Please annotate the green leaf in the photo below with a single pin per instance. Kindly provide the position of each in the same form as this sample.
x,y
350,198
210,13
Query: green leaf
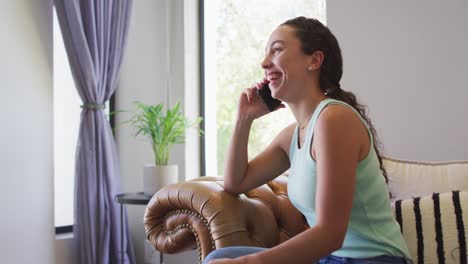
x,y
162,130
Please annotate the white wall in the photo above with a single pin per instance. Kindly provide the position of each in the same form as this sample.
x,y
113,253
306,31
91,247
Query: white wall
x,y
407,60
26,222
154,58
192,87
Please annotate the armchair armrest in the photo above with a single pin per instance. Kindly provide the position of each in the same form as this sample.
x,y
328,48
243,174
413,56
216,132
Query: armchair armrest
x,y
200,214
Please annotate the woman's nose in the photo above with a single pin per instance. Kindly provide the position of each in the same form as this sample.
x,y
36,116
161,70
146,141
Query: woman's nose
x,y
266,62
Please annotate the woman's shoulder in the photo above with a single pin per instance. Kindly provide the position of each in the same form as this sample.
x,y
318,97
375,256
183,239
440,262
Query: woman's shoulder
x,y
341,123
337,108
338,113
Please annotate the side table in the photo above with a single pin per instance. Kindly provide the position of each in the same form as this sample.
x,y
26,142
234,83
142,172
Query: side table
x,y
131,198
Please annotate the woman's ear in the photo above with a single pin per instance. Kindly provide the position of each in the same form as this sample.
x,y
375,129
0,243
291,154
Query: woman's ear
x,y
316,60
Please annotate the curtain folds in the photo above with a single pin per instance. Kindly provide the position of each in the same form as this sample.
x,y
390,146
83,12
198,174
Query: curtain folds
x,y
95,33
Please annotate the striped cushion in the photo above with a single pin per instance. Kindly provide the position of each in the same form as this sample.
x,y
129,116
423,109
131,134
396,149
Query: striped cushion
x,y
434,226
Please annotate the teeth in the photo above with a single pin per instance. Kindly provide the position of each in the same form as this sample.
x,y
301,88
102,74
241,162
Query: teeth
x,y
273,76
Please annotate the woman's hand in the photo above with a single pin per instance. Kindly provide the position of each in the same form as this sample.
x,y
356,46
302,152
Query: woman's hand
x,y
251,105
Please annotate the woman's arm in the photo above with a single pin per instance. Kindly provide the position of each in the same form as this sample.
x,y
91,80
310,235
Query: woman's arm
x,y
240,175
338,136
263,168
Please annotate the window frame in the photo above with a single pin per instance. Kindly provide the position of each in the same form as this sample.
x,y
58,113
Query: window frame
x,y
201,29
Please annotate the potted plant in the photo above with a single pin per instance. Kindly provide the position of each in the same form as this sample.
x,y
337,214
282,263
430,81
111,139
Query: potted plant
x,y
162,131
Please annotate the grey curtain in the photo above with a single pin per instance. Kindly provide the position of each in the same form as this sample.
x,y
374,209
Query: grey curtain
x,y
95,33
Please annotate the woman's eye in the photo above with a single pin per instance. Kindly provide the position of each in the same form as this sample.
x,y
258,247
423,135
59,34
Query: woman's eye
x,y
276,49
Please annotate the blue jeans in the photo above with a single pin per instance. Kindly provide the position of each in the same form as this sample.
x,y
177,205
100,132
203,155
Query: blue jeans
x,y
234,252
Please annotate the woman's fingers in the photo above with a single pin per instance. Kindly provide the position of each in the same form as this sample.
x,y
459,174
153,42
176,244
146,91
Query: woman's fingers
x,y
280,106
250,92
259,85
246,92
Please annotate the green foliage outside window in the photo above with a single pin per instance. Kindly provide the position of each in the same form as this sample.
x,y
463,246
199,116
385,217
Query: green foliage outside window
x,y
243,30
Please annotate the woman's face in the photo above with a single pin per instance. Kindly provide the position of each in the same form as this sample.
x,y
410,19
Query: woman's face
x,y
285,65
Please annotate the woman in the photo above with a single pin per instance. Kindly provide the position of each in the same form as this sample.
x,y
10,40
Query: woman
x,y
336,180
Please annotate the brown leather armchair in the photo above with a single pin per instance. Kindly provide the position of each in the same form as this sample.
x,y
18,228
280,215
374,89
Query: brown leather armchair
x,y
199,214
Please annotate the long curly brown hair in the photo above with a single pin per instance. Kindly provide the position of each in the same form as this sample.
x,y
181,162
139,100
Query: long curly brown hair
x,y
316,36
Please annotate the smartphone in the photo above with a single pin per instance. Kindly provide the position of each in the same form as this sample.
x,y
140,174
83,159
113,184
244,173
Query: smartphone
x,y
265,94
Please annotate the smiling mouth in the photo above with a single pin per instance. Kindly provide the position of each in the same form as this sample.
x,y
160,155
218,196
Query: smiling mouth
x,y
274,76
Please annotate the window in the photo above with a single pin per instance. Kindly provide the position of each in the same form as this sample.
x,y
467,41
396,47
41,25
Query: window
x,y
66,125
67,112
235,35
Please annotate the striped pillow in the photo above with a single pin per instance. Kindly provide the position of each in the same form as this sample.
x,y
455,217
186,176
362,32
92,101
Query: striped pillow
x,y
434,226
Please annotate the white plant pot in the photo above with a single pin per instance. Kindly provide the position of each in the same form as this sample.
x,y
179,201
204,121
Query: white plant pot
x,y
156,177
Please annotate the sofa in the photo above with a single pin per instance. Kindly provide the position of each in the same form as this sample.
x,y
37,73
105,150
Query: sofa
x,y
429,199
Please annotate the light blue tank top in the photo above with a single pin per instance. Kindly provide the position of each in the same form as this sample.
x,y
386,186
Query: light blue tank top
x,y
372,228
